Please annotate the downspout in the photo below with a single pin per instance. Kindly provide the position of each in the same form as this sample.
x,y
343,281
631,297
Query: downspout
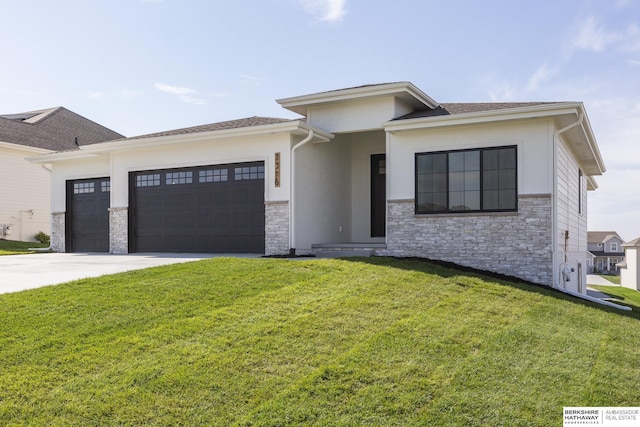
x,y
292,222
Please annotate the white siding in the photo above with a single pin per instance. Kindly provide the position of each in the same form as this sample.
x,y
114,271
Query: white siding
x,y
570,218
25,193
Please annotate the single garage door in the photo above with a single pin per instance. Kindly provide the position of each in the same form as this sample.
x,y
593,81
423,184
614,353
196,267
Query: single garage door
x,y
210,209
87,217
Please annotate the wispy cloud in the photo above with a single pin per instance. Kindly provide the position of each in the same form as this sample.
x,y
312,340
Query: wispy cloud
x,y
592,36
185,94
542,75
325,10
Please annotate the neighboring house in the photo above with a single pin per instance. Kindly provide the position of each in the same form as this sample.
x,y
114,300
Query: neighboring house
x,y
630,268
605,251
379,169
25,188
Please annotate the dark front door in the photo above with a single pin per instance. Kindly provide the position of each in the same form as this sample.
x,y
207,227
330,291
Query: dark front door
x,y
87,218
200,209
378,194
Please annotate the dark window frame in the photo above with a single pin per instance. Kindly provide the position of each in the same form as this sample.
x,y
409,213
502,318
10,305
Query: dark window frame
x,y
482,188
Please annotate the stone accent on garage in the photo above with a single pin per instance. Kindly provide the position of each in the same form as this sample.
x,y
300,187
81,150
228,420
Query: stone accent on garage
x,y
57,231
276,233
517,244
118,230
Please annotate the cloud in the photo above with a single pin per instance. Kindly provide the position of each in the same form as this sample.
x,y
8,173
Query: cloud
x,y
325,10
592,36
542,74
185,94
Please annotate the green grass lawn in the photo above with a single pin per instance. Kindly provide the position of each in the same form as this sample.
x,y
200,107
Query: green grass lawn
x,y
626,296
611,278
273,342
10,247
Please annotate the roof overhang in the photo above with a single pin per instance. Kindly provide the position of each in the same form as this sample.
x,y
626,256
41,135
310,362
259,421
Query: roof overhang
x,y
294,127
580,136
404,91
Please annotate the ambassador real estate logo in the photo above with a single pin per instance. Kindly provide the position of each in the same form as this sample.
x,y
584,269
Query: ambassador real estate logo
x,y
604,416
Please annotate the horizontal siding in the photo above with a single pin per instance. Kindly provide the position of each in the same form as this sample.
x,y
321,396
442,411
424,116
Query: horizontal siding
x,y
23,187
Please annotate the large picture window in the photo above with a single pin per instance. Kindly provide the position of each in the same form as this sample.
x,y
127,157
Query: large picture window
x,y
482,180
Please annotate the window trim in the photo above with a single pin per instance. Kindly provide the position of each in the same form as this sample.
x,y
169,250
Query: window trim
x,y
457,212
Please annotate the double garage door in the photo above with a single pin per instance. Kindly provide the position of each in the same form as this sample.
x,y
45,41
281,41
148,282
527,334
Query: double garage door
x,y
211,209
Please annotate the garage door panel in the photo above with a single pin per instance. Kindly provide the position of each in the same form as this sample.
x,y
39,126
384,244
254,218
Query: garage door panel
x,y
87,219
214,212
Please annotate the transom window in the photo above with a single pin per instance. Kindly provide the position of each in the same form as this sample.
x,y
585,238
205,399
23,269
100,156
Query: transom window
x,y
185,177
467,181
213,175
83,187
249,172
150,180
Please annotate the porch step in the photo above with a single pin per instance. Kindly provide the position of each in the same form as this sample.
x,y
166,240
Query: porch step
x,y
341,250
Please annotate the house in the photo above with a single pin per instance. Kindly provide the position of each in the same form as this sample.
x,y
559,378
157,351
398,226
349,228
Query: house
x,y
630,268
605,251
378,169
25,189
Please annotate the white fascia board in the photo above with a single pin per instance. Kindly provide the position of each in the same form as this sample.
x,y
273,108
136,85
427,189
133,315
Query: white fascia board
x,y
34,150
60,156
591,183
588,132
299,104
538,111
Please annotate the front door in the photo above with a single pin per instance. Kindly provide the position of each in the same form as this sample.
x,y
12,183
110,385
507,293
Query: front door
x,y
378,194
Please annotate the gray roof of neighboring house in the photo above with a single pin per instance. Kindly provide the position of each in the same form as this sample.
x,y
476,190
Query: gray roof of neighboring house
x,y
634,242
607,254
53,129
447,108
229,124
601,236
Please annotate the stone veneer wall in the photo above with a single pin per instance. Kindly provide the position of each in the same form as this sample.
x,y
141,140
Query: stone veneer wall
x,y
57,231
515,244
276,228
118,230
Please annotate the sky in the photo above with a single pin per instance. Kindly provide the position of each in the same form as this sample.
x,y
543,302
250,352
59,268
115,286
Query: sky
x,y
142,66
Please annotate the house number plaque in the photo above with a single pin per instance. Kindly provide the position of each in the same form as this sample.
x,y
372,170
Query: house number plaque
x,y
277,170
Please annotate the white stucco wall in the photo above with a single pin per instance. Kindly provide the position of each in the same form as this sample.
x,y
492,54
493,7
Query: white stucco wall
x,y
63,171
323,194
25,194
630,275
352,116
532,137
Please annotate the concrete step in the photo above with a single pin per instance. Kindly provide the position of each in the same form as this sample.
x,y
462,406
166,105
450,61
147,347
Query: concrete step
x,y
342,250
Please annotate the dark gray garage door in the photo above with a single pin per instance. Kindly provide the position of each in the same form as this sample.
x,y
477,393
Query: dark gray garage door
x,y
201,209
87,217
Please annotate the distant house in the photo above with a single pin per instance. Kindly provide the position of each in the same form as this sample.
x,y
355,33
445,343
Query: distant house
x,y
378,169
25,188
630,268
605,251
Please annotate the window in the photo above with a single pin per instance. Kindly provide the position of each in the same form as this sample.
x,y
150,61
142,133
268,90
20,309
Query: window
x,y
105,186
614,247
213,175
249,172
467,181
580,191
150,180
179,177
83,187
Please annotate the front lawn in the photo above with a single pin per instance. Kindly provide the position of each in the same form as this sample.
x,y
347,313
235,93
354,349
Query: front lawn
x,y
611,278
626,296
316,342
11,247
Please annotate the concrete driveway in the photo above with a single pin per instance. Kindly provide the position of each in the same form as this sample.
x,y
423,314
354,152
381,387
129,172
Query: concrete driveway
x,y
20,272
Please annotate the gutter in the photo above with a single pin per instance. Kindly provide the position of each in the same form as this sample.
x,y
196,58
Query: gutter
x,y
292,222
597,300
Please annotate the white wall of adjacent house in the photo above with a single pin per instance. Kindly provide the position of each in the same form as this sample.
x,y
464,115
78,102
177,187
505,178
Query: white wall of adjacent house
x,y
571,220
26,199
630,275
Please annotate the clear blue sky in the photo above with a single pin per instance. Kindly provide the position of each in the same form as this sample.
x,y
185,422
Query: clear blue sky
x,y
140,66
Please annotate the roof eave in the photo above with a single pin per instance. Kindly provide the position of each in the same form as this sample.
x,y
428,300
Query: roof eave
x,y
406,91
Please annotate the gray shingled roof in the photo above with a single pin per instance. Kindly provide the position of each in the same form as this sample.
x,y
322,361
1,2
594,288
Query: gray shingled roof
x,y
447,109
601,236
53,129
230,124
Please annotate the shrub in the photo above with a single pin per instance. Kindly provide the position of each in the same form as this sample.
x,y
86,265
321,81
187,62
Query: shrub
x,y
42,237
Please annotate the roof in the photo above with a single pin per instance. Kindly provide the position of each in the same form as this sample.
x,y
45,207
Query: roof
x,y
607,254
601,236
633,243
55,129
446,109
229,124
